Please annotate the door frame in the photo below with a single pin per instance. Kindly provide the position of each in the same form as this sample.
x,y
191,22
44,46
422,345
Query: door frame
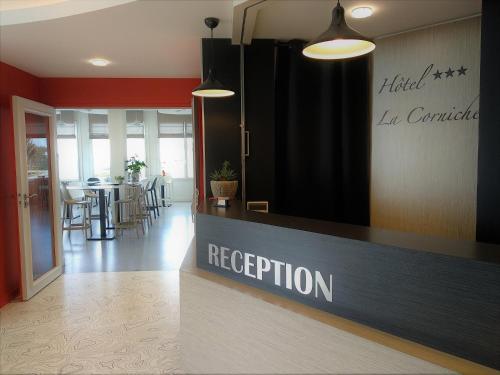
x,y
20,107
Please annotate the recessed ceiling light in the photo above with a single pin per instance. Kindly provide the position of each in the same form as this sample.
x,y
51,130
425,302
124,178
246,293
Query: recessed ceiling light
x,y
361,12
99,62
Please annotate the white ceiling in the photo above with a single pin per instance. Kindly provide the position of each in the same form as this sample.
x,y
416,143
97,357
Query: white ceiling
x,y
161,38
20,4
148,38
21,11
306,19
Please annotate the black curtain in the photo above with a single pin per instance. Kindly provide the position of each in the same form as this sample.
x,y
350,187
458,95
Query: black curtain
x,y
323,114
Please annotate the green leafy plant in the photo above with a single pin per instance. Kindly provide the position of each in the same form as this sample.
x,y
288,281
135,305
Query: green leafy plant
x,y
135,165
224,174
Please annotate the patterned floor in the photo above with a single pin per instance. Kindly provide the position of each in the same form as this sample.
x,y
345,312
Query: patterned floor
x,y
95,323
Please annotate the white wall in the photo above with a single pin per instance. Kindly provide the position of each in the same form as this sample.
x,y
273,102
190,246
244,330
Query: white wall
x,y
152,142
182,189
85,147
118,141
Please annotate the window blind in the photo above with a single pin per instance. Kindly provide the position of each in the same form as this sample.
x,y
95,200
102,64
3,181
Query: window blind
x,y
171,130
66,124
98,126
174,126
135,124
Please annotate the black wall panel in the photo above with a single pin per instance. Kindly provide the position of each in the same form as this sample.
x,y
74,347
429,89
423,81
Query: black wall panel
x,y
322,136
309,140
259,107
222,115
488,189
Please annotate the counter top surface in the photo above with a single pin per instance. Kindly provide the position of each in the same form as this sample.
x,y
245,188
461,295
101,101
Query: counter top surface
x,y
457,248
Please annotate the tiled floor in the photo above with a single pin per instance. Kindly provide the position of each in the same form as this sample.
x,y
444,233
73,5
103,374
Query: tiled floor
x,y
90,321
99,323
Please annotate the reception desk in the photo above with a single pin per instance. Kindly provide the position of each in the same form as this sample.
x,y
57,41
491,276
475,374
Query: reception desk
x,y
437,293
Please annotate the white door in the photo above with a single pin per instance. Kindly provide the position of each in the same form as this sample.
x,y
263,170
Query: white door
x,y
38,195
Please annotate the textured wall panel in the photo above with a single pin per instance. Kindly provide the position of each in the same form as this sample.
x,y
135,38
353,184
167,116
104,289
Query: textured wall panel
x,y
424,173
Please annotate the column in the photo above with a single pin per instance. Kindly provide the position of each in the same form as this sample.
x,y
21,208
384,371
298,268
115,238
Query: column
x,y
118,141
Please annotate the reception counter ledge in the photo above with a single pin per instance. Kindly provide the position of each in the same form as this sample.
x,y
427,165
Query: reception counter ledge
x,y
433,299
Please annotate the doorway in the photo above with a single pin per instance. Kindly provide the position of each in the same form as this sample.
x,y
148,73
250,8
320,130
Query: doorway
x,y
38,195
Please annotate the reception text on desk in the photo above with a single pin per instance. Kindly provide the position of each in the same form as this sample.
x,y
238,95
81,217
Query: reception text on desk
x,y
300,278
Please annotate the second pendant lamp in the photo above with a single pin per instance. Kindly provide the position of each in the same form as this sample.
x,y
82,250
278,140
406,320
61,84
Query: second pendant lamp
x,y
339,41
211,87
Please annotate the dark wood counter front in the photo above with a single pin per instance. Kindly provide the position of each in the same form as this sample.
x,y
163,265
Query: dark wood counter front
x,y
440,293
411,241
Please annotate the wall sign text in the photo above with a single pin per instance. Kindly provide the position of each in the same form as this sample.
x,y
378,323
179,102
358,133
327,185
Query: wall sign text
x,y
285,275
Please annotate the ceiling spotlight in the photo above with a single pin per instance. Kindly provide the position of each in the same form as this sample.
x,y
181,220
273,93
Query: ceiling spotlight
x,y
99,62
361,12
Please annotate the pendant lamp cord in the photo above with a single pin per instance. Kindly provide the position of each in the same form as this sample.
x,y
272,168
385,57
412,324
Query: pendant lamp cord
x,y
212,57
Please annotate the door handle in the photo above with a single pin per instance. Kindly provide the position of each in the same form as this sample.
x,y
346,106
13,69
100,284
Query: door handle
x,y
247,143
26,199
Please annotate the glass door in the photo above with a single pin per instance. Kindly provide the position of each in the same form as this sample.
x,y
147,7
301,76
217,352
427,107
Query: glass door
x,y
38,196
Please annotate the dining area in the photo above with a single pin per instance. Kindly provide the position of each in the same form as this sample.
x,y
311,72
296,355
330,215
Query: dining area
x,y
125,188
102,210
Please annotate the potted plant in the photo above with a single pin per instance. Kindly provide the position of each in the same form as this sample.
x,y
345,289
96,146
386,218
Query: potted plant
x,y
134,167
119,179
223,182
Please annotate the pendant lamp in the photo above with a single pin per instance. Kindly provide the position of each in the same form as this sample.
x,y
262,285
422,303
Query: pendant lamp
x,y
211,87
339,41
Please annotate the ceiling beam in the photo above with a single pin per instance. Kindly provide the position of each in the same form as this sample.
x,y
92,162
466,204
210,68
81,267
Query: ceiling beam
x,y
244,18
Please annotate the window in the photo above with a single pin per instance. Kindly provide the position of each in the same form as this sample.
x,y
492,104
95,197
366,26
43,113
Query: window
x,y
98,126
101,150
101,154
176,145
172,157
67,146
135,135
136,148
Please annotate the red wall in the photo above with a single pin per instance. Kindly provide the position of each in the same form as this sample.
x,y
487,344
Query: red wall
x,y
65,93
117,92
12,82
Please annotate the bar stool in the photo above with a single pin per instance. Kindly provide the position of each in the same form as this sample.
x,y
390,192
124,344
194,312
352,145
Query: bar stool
x,y
94,181
91,196
144,213
153,203
129,212
83,205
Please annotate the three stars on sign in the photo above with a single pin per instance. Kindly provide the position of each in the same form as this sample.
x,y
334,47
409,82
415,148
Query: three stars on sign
x,y
449,73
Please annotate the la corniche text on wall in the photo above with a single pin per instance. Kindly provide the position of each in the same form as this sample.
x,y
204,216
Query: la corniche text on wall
x,y
425,121
283,274
420,113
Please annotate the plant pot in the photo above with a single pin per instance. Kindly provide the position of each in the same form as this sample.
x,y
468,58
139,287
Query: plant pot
x,y
135,176
224,188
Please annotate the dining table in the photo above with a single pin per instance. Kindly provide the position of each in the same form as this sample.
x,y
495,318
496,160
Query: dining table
x,y
101,189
